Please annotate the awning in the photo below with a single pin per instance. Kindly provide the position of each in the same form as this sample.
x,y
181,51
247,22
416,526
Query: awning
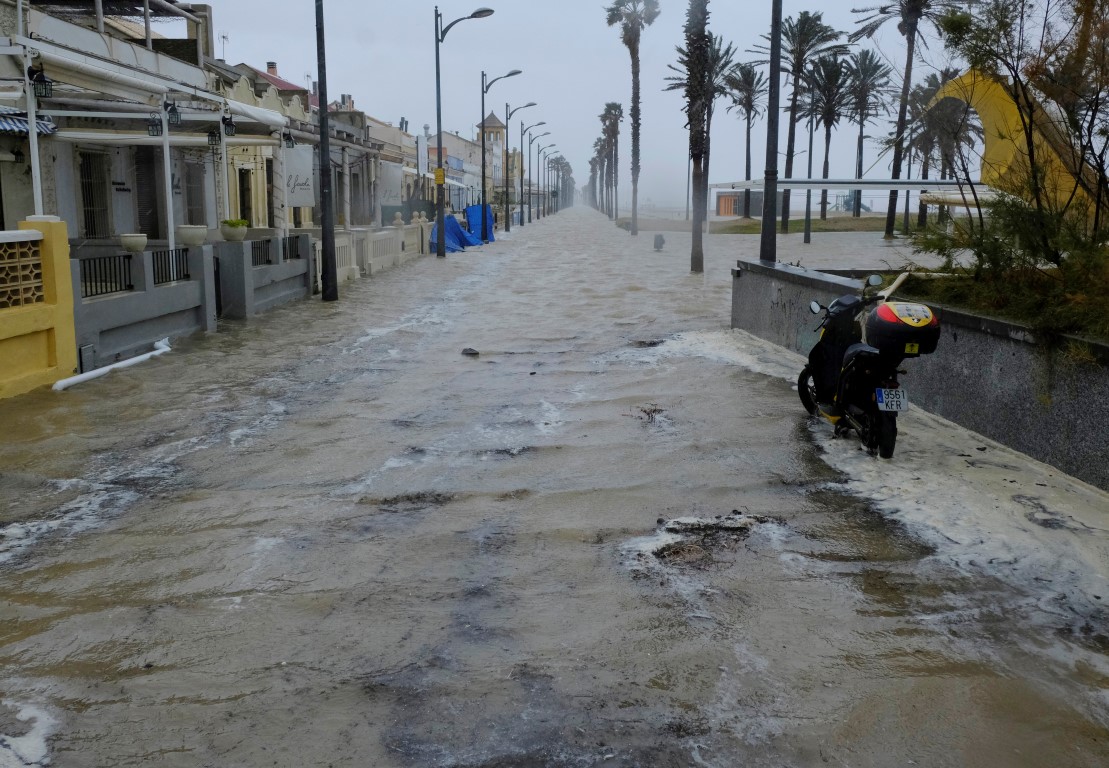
x,y
132,138
257,114
15,121
414,172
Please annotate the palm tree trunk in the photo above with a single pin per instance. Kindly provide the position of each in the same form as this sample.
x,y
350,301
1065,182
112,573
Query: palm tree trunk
x,y
635,140
747,175
697,253
824,192
922,209
902,122
858,205
791,142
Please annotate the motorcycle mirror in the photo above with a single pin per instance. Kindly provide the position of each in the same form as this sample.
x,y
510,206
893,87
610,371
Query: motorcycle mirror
x,y
815,307
874,280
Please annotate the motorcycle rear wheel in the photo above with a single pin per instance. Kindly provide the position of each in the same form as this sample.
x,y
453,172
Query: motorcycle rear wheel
x,y
806,390
885,428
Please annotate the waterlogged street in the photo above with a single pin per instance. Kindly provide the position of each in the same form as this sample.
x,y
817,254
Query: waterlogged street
x,y
326,537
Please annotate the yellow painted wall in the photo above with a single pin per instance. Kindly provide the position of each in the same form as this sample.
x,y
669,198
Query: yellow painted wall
x,y
38,341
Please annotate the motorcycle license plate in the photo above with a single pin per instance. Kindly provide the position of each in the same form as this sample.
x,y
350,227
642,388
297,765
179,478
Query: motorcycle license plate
x,y
892,399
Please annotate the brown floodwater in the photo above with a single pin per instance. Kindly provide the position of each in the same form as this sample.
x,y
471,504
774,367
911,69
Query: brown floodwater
x,y
326,537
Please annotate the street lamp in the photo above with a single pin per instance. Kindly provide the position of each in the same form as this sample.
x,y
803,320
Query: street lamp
x,y
507,117
540,167
485,86
522,131
532,169
440,174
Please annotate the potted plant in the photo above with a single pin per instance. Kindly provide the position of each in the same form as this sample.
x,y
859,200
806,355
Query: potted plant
x,y
234,230
191,234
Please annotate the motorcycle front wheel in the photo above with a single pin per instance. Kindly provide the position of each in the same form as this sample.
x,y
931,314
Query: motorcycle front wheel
x,y
806,390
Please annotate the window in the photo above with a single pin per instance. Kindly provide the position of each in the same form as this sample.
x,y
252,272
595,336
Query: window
x,y
95,209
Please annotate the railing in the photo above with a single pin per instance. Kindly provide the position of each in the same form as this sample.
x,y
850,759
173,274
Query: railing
x,y
170,265
260,253
290,248
102,275
20,269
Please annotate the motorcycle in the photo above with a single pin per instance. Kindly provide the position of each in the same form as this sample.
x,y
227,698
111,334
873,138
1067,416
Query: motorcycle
x,y
852,375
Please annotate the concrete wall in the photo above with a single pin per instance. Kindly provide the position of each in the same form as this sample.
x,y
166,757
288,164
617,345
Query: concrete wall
x,y
246,290
1050,401
36,337
121,325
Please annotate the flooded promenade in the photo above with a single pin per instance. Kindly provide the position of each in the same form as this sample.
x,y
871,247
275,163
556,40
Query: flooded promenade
x,y
612,537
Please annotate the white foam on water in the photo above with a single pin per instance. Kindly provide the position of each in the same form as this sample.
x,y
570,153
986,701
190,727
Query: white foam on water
x,y
81,514
31,748
985,508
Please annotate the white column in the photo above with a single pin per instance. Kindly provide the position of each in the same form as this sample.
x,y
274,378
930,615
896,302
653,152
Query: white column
x,y
167,170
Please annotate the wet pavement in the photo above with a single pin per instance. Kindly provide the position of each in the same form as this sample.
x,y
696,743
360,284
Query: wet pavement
x,y
326,537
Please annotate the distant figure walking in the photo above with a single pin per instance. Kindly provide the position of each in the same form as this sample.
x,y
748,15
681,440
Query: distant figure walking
x,y
659,242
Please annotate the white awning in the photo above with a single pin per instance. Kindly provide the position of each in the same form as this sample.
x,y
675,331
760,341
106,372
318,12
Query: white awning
x,y
257,114
175,139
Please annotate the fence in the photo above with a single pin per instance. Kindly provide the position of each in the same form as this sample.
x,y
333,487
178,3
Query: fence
x,y
102,275
260,253
170,265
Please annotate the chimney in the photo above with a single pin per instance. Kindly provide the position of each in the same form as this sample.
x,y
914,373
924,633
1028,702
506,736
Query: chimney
x,y
271,68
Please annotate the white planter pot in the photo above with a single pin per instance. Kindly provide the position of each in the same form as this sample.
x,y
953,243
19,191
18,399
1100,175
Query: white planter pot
x,y
191,234
133,242
232,234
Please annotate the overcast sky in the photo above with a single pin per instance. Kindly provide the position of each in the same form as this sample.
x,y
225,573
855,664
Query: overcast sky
x,y
383,54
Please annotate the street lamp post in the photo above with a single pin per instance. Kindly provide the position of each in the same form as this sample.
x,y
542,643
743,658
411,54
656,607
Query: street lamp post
x,y
329,278
522,131
440,174
485,86
507,204
540,173
532,170
768,245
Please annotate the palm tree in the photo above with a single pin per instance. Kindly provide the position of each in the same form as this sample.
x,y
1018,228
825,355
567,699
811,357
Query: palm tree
x,y
633,16
827,103
746,87
698,94
610,132
908,14
867,86
803,39
943,130
721,63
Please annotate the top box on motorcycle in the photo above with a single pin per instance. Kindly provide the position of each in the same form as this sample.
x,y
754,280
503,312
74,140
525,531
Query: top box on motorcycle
x,y
903,328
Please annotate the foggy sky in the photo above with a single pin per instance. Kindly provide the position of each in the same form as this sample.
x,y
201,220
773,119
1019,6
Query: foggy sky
x,y
383,54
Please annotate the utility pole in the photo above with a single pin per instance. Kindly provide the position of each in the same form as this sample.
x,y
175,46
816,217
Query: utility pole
x,y
330,279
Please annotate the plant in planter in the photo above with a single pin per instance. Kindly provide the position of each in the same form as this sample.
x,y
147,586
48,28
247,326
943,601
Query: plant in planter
x,y
234,230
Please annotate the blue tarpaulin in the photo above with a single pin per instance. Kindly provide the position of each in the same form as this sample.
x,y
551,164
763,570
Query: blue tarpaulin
x,y
473,220
455,229
451,242
456,237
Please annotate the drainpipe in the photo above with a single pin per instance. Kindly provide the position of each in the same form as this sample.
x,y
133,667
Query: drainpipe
x,y
223,169
167,170
32,134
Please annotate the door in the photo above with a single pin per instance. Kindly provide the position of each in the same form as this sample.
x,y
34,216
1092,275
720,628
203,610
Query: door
x,y
246,208
147,193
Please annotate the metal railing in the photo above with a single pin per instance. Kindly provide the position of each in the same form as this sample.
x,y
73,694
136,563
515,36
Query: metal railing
x,y
102,275
260,254
290,248
170,265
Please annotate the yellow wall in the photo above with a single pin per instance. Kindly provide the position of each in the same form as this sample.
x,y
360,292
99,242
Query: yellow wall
x,y
38,341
